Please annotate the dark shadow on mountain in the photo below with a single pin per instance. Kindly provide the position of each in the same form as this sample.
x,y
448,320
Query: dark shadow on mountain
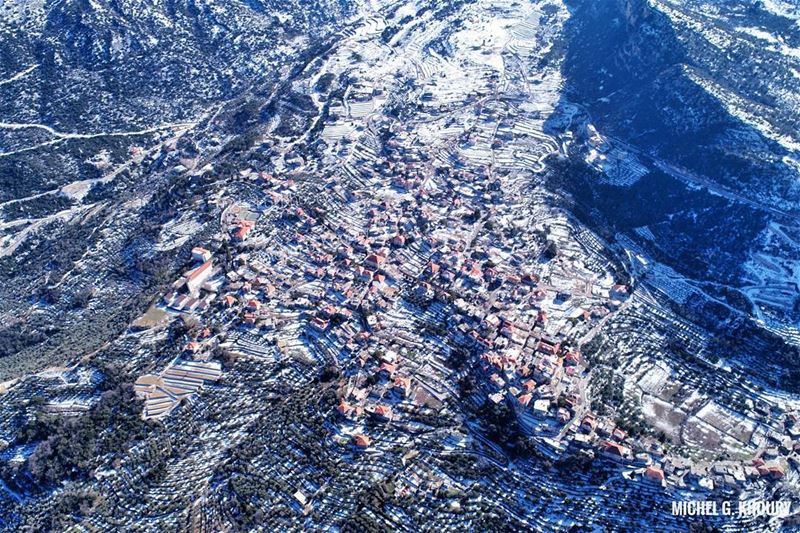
x,y
626,70
623,65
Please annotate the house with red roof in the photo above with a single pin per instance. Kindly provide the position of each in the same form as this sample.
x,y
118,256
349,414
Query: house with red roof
x,y
362,441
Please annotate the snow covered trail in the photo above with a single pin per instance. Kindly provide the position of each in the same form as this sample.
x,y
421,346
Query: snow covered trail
x,y
10,243
60,136
24,126
17,497
19,75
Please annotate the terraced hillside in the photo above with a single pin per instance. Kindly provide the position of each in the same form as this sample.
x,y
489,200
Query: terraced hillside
x,y
480,265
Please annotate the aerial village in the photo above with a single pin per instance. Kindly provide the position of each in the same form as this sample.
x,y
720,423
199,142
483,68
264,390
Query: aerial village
x,y
420,269
428,270
388,287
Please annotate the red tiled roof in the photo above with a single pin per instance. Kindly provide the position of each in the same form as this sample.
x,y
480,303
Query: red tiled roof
x,y
655,473
614,448
383,410
194,274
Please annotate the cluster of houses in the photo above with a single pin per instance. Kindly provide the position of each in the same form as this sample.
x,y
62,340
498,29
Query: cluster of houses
x,y
388,266
450,248
420,276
